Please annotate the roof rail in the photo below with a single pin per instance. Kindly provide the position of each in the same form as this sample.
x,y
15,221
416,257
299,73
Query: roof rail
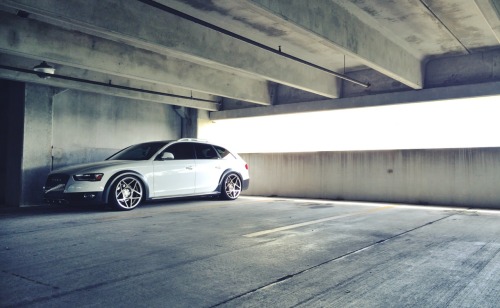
x,y
192,139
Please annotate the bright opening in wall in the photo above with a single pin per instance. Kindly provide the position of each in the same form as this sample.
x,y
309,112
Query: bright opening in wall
x,y
459,123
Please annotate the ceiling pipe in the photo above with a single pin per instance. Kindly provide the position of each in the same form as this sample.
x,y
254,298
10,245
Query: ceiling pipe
x,y
249,41
104,84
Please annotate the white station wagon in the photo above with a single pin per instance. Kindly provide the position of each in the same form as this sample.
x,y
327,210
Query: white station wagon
x,y
151,170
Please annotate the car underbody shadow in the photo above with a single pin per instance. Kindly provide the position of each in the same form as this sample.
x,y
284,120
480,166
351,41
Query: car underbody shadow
x,y
77,208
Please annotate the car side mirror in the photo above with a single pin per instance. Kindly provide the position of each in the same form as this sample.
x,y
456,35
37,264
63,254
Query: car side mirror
x,y
167,156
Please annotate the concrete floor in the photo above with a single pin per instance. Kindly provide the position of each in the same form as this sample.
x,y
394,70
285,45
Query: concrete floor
x,y
253,252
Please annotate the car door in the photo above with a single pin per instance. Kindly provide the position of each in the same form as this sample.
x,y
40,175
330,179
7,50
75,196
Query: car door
x,y
175,177
209,168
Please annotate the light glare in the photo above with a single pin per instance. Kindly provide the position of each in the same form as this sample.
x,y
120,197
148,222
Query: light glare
x,y
460,123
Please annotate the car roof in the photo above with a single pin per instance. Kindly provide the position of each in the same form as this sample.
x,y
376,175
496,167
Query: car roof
x,y
193,140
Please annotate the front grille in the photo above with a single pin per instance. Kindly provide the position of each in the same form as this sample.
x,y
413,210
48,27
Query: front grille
x,y
56,180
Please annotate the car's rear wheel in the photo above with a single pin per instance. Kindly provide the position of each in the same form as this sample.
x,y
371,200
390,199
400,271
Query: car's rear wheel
x,y
126,193
231,187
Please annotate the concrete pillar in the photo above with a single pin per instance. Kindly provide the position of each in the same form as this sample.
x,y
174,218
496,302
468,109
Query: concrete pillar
x,y
190,124
36,158
11,139
189,121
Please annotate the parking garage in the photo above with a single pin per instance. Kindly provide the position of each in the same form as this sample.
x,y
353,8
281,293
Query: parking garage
x,y
345,221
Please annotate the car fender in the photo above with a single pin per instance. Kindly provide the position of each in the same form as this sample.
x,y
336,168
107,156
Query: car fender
x,y
226,172
113,179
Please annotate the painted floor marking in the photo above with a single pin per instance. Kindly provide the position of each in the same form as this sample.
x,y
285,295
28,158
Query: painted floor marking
x,y
317,221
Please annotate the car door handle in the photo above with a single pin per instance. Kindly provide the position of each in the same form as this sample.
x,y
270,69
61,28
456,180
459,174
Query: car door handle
x,y
218,167
189,167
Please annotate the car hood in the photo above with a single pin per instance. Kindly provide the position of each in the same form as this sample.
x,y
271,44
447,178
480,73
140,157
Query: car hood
x,y
93,167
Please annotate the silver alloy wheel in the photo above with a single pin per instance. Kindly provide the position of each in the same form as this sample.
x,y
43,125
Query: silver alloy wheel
x,y
232,186
128,193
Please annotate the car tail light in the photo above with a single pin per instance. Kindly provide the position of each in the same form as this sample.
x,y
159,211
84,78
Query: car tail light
x,y
246,166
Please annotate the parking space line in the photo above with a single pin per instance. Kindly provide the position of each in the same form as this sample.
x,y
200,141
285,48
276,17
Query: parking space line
x,y
317,221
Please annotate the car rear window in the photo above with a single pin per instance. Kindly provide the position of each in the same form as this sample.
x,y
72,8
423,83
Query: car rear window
x,y
224,153
205,151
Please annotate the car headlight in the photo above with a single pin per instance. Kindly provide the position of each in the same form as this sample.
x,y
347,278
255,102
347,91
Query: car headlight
x,y
91,177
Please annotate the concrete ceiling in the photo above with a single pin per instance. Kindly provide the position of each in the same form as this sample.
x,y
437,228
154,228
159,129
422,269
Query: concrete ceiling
x,y
240,58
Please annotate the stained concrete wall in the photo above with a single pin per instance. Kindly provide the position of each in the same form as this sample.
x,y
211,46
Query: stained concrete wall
x,y
456,177
63,127
90,127
36,142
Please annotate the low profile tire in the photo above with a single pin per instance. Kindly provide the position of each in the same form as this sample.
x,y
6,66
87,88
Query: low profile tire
x,y
231,187
126,193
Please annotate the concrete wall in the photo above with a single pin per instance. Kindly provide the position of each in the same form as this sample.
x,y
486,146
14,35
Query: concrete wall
x,y
63,127
457,177
90,127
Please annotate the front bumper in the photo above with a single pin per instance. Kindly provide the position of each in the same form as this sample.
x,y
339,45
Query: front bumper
x,y
62,189
73,198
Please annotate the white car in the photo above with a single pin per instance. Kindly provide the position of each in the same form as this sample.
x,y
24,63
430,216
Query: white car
x,y
151,170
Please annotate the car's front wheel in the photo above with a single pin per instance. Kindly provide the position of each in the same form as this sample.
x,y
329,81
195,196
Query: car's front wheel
x,y
126,193
231,187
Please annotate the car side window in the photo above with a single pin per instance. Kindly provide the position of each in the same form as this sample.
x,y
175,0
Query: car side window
x,y
181,151
205,151
224,153
142,151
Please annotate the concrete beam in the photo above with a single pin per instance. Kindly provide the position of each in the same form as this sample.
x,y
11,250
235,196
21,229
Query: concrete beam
x,y
37,40
479,67
66,84
465,22
355,36
491,12
148,27
414,96
19,62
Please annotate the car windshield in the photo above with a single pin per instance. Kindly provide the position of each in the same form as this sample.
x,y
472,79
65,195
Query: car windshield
x,y
143,151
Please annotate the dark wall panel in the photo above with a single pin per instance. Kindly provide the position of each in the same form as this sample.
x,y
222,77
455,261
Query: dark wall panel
x,y
11,133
